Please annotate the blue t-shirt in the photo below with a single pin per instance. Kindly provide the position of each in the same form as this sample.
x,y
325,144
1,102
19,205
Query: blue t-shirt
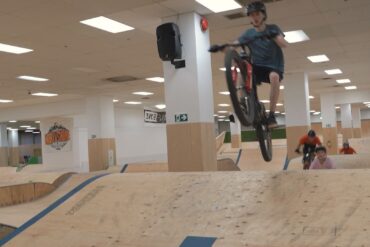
x,y
265,52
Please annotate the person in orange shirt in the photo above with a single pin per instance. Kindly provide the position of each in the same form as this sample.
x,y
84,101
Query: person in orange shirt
x,y
309,143
347,149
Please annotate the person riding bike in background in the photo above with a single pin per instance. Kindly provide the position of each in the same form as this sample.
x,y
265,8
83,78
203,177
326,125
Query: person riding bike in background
x,y
267,56
309,142
347,149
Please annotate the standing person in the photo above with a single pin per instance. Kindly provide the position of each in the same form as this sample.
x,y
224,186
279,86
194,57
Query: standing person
x,y
309,142
267,55
347,149
322,161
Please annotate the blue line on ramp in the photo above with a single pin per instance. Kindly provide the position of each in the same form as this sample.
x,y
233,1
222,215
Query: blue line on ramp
x,y
192,241
286,163
47,210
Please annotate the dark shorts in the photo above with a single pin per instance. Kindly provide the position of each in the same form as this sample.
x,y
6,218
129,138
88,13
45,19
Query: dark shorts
x,y
262,74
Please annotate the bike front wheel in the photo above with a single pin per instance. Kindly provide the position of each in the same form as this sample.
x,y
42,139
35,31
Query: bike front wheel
x,y
264,139
242,98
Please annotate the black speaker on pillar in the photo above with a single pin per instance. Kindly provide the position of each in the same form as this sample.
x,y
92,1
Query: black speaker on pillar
x,y
169,43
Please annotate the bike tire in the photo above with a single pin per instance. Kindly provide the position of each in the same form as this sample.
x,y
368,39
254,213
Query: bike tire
x,y
243,101
264,139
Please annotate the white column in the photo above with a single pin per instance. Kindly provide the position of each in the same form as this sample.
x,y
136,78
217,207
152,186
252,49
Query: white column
x,y
297,109
346,115
356,116
235,131
189,90
3,145
329,122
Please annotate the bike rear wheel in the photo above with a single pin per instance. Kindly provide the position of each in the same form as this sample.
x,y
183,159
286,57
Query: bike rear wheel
x,y
264,139
243,100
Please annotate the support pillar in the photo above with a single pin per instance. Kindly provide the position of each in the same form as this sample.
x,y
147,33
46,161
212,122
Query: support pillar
x,y
356,121
235,131
4,161
13,147
329,123
297,109
189,100
101,132
346,121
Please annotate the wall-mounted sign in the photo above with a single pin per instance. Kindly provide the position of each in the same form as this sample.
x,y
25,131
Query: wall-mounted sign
x,y
57,135
155,117
182,117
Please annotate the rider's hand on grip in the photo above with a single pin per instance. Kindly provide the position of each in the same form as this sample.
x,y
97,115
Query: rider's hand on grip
x,y
216,48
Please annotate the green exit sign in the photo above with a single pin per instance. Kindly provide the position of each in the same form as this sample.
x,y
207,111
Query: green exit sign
x,y
183,117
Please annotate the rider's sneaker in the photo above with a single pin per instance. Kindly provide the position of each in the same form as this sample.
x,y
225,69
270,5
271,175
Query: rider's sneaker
x,y
271,121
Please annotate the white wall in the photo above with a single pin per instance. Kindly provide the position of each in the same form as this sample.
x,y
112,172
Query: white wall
x,y
137,142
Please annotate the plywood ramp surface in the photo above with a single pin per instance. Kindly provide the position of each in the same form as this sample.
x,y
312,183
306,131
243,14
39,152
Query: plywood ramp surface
x,y
314,208
18,214
355,161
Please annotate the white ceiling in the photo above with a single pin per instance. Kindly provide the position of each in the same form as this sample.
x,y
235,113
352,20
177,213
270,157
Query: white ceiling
x,y
78,58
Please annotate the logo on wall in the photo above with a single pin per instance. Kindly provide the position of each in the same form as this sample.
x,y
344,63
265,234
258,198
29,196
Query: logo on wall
x,y
155,117
57,137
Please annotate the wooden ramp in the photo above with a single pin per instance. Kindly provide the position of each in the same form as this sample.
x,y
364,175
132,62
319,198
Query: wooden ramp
x,y
295,208
355,161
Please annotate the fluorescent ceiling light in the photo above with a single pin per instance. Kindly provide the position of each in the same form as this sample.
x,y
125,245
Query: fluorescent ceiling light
x,y
295,36
366,103
107,24
320,118
337,107
223,105
13,49
312,111
227,120
283,113
311,97
25,126
277,112
6,100
225,93
13,129
318,58
317,113
31,128
267,111
350,87
31,78
282,87
12,121
221,120
37,121
160,106
342,81
155,79
219,5
115,100
28,131
333,71
36,132
222,112
143,93
215,115
132,103
279,104
221,116
265,101
45,94
224,69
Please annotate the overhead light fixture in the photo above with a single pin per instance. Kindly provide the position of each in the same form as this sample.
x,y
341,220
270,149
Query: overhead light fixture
x,y
107,24
25,126
132,103
13,129
265,101
160,106
227,120
31,128
366,103
283,113
320,118
6,101
222,112
115,100
12,121
277,112
342,81
318,58
282,87
350,87
224,69
37,121
295,36
28,131
223,105
143,93
312,111
36,132
337,107
44,94
333,71
225,93
279,104
31,78
215,115
155,79
221,120
311,97
221,116
219,5
317,113
13,49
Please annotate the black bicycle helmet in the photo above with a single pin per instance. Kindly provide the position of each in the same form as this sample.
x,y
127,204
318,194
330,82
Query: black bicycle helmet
x,y
256,6
311,133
